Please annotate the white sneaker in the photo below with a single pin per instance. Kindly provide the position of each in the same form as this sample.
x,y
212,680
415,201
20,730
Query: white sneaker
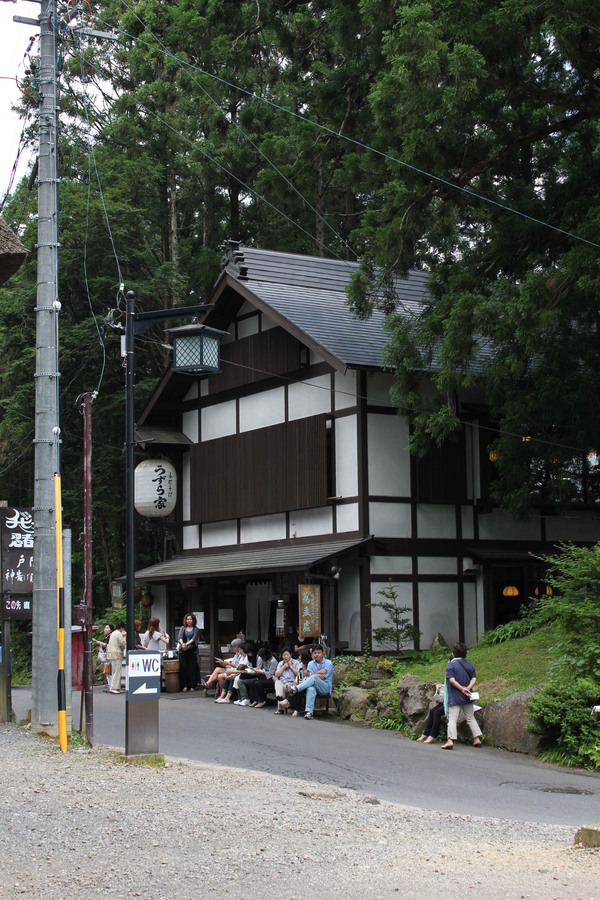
x,y
243,702
237,702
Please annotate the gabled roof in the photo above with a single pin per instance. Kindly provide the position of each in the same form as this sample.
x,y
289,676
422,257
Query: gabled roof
x,y
309,292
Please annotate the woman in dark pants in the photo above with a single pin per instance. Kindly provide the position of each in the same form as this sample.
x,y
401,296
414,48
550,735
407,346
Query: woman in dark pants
x,y
187,644
432,725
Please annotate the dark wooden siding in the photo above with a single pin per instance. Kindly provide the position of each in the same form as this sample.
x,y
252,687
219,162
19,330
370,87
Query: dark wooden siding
x,y
269,470
441,475
272,352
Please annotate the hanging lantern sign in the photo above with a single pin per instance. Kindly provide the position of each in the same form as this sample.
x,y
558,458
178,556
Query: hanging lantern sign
x,y
155,488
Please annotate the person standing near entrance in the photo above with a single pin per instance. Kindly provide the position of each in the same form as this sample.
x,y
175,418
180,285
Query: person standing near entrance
x,y
154,637
187,644
460,679
114,655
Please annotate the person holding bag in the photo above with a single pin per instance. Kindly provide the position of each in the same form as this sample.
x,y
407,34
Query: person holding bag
x,y
187,644
460,680
102,648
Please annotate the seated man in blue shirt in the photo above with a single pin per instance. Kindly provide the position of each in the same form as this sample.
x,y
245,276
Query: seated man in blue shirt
x,y
318,681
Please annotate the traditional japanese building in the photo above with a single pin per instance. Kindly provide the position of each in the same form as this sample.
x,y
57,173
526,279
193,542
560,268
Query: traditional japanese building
x,y
293,471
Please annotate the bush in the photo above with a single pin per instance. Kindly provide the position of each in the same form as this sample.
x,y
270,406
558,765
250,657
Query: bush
x,y
560,712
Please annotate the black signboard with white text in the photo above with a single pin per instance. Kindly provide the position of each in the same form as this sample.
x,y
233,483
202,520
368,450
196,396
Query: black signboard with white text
x,y
17,562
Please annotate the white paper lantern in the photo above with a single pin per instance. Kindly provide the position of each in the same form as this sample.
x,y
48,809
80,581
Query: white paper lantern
x,y
155,488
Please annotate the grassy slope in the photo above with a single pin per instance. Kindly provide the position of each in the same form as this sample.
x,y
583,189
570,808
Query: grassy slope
x,y
502,669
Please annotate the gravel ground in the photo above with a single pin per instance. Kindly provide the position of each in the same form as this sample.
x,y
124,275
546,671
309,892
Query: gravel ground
x,y
84,823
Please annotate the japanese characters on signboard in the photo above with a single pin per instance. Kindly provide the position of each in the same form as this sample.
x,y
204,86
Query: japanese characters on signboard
x,y
309,599
17,562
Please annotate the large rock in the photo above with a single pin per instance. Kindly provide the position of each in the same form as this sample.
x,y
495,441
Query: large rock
x,y
416,698
352,703
504,723
340,670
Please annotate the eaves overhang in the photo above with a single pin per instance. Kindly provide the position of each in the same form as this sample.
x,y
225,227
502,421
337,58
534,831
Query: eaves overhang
x,y
292,556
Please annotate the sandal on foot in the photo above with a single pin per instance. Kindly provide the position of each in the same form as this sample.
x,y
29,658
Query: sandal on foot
x,y
421,740
477,742
447,746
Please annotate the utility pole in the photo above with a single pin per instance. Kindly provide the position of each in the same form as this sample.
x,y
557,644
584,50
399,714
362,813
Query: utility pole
x,y
45,654
44,711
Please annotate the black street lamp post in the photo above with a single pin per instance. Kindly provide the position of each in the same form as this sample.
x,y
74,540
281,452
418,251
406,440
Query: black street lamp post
x,y
137,323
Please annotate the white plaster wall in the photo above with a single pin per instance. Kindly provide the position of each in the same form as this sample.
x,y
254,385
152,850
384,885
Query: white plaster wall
x,y
267,323
572,528
185,487
389,519
378,617
263,528
345,389
218,421
436,565
219,534
378,388
308,522
389,460
189,425
436,521
205,386
263,409
192,394
346,517
498,525
246,327
309,398
386,565
191,537
348,595
246,308
438,611
346,457
466,519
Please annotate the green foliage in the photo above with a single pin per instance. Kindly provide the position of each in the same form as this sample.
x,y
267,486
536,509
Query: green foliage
x,y
560,712
399,629
528,622
574,576
472,98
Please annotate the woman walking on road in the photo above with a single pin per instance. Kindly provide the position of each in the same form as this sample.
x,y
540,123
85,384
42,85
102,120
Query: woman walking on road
x,y
460,679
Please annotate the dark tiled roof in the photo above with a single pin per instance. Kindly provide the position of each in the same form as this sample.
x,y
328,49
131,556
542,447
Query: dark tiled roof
x,y
12,252
291,556
310,292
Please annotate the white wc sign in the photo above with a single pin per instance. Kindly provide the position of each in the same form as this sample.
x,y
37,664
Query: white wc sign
x,y
143,675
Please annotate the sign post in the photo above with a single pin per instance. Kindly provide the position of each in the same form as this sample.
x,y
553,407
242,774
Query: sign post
x,y
16,563
142,684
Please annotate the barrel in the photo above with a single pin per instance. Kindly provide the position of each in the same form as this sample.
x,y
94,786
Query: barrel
x,y
171,673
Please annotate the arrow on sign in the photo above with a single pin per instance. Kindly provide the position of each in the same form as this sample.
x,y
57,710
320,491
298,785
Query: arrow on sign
x,y
143,689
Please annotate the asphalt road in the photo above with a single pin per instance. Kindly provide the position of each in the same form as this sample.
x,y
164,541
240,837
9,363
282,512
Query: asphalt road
x,y
386,765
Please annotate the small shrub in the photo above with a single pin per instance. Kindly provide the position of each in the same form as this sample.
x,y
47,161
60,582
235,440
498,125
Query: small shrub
x,y
560,712
399,629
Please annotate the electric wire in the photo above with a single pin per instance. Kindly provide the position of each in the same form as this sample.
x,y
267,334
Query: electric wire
x,y
248,139
346,138
87,224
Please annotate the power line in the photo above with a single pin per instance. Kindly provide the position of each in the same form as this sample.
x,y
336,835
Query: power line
x,y
353,141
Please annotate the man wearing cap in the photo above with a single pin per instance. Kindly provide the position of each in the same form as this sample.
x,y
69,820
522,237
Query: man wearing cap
x,y
218,674
318,681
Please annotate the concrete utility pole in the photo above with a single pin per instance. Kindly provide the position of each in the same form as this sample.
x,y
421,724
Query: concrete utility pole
x,y
44,712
